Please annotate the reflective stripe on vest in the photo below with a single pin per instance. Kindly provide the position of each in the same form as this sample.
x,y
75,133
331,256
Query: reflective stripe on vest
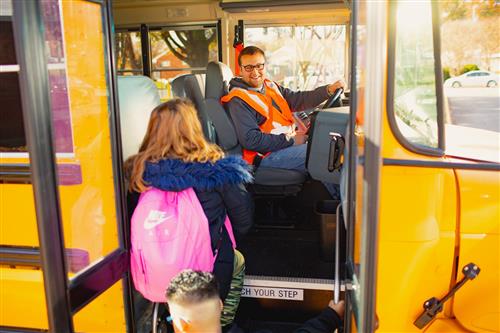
x,y
277,121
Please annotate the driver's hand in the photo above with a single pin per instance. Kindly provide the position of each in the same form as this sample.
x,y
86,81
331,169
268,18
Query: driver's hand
x,y
300,138
334,86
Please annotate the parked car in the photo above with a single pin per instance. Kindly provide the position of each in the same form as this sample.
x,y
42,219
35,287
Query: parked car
x,y
473,79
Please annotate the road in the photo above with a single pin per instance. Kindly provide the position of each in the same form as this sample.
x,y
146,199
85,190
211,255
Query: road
x,y
474,107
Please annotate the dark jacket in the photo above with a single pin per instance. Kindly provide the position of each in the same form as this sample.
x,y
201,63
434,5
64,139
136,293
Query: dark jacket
x,y
327,321
246,120
220,190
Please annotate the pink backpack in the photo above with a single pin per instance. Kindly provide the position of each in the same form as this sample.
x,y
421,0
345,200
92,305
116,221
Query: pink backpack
x,y
169,233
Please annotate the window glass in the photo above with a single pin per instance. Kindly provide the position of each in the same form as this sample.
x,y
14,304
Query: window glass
x,y
56,65
415,105
128,52
301,57
469,42
180,51
12,138
86,182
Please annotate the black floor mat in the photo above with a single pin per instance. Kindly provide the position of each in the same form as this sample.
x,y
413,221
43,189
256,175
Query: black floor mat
x,y
290,253
270,327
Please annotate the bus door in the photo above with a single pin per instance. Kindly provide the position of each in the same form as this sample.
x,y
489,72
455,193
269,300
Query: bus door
x,y
362,162
65,168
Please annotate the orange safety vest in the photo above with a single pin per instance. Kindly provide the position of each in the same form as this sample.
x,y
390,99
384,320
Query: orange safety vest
x,y
277,122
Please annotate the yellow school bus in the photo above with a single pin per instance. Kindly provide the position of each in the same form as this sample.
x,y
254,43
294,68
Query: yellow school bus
x,y
412,244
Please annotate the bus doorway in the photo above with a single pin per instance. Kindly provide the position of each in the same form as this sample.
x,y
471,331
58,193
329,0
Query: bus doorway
x,y
64,257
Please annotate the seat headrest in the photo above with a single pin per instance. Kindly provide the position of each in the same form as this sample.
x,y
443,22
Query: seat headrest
x,y
137,96
178,84
217,82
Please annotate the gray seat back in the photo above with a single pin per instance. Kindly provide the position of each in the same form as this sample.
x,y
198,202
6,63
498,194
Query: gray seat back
x,y
217,85
178,85
192,86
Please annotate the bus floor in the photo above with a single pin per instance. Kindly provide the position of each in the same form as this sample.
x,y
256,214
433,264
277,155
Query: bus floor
x,y
291,253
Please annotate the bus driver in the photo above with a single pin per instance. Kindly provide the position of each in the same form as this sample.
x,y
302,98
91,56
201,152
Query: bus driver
x,y
261,111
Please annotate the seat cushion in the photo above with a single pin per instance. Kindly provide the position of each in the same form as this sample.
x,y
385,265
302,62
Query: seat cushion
x,y
278,177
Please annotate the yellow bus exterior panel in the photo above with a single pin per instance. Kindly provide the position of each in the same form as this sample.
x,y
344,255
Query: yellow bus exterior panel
x,y
479,201
105,314
22,303
477,304
417,238
17,215
444,325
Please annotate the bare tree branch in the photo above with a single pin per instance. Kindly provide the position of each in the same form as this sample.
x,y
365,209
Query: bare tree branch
x,y
167,35
174,50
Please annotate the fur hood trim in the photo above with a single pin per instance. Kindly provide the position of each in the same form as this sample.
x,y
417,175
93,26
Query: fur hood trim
x,y
175,175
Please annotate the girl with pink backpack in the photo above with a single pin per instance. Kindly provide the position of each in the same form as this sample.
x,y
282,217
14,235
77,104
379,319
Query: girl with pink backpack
x,y
177,171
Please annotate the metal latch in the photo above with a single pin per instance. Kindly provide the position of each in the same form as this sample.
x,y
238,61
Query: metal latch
x,y
337,144
433,305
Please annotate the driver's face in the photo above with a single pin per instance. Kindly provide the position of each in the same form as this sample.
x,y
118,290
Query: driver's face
x,y
255,77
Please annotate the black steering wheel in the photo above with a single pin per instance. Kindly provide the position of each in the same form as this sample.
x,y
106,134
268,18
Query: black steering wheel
x,y
334,100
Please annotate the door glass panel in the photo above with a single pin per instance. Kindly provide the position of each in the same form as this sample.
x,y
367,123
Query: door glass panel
x,y
415,102
77,52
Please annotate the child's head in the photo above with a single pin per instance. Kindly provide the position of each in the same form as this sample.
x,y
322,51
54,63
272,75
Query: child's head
x,y
194,303
174,131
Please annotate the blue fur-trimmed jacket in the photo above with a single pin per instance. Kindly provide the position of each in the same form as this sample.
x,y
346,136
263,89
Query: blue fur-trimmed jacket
x,y
220,189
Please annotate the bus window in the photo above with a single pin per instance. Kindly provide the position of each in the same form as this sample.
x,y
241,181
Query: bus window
x,y
301,57
128,52
12,138
180,50
176,51
415,103
471,74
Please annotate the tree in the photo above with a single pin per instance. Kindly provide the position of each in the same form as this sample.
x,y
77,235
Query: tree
x,y
128,56
454,10
190,46
488,37
468,68
489,8
454,44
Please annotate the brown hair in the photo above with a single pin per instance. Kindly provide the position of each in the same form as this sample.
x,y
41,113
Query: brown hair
x,y
250,50
174,131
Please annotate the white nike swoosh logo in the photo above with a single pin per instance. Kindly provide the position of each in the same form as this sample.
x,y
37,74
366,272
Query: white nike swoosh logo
x,y
150,224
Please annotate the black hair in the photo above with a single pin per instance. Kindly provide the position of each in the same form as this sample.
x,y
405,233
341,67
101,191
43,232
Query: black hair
x,y
192,287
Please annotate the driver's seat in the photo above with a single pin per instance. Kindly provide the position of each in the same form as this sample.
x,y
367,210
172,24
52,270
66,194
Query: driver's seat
x,y
267,181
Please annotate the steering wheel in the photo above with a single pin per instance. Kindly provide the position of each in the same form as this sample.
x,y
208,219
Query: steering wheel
x,y
334,100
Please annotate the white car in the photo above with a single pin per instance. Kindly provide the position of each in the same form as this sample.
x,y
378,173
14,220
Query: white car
x,y
473,79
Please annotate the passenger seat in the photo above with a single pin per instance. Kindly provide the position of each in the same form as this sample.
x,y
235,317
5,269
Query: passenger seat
x,y
137,97
192,86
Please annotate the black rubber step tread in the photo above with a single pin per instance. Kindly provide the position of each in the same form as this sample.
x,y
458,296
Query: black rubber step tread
x,y
290,253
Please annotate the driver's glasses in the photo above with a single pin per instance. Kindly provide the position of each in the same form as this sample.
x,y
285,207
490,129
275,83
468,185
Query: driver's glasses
x,y
250,68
